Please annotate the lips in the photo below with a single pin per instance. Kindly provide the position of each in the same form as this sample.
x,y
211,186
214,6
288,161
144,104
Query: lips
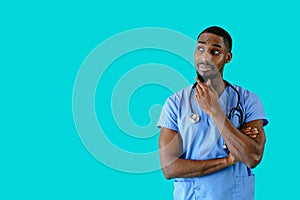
x,y
204,67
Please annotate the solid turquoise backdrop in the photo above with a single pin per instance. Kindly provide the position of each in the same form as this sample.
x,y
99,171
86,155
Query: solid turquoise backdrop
x,y
44,43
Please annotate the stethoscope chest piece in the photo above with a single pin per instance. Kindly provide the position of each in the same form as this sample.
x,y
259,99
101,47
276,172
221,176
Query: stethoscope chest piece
x,y
194,118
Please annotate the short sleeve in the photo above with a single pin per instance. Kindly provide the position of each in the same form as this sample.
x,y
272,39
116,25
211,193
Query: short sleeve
x,y
169,114
253,108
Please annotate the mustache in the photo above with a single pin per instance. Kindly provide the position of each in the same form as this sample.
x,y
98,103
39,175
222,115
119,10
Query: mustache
x,y
205,63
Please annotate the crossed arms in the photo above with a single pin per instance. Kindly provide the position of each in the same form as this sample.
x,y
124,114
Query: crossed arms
x,y
249,151
245,145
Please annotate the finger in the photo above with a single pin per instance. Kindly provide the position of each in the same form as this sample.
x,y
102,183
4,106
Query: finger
x,y
208,83
246,128
255,130
198,100
247,132
201,84
197,94
200,90
252,132
198,81
203,89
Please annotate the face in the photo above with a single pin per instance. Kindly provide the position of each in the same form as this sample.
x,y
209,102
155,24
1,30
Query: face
x,y
211,55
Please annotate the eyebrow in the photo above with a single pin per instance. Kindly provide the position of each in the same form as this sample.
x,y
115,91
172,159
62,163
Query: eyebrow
x,y
215,45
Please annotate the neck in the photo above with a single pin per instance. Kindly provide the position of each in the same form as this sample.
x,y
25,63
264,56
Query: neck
x,y
218,84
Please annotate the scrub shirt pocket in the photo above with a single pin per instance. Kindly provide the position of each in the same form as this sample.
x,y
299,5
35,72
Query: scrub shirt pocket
x,y
184,190
244,188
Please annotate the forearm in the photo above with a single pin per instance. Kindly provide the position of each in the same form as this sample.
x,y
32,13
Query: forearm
x,y
242,147
182,168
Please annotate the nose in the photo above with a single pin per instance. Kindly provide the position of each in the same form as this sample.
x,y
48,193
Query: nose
x,y
205,57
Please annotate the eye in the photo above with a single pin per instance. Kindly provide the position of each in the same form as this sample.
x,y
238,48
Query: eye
x,y
201,49
215,52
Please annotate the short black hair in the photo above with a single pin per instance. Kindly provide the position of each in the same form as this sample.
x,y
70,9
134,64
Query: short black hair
x,y
220,32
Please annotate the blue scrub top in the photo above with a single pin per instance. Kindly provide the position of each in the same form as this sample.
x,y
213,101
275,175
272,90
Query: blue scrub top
x,y
202,141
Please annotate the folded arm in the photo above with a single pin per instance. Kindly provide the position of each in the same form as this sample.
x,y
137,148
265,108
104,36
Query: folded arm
x,y
173,166
245,149
248,150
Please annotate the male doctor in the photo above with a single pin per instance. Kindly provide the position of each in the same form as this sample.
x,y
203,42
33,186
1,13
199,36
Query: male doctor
x,y
212,132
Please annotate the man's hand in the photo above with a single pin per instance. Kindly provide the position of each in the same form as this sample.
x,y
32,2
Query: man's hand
x,y
231,160
207,97
249,131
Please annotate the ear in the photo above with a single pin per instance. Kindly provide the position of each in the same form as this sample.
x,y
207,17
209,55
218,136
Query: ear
x,y
228,57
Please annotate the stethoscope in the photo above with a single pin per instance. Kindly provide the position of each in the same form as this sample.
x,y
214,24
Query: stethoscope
x,y
235,111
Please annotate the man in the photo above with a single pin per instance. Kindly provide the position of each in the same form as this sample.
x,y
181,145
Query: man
x,y
212,132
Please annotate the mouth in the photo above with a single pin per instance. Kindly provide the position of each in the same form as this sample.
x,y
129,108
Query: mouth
x,y
204,67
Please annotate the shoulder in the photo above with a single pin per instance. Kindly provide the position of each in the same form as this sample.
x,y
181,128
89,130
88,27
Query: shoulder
x,y
251,104
181,94
246,95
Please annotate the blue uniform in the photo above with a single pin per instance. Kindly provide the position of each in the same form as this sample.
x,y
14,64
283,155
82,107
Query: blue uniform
x,y
202,141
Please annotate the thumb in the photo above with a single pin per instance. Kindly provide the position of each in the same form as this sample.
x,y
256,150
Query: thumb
x,y
208,83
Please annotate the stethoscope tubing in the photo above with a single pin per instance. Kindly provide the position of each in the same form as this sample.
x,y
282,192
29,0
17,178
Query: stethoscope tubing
x,y
194,118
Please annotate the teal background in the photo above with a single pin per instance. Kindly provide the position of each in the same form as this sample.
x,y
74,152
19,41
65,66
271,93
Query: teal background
x,y
42,47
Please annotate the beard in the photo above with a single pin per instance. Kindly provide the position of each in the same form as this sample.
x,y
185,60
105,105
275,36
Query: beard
x,y
206,76
215,73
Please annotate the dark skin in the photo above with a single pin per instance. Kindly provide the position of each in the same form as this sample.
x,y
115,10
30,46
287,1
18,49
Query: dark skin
x,y
245,145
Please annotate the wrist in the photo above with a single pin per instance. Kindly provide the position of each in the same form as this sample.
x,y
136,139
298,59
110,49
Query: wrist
x,y
230,160
217,114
